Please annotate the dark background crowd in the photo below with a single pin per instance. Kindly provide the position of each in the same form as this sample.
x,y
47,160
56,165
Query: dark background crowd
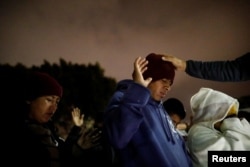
x,y
84,86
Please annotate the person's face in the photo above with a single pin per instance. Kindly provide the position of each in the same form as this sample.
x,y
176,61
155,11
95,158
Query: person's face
x,y
159,88
43,108
175,119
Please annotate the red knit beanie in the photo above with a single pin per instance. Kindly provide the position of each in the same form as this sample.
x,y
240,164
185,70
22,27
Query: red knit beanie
x,y
42,84
159,69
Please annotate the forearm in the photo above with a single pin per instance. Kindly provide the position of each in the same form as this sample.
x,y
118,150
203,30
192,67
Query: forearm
x,y
123,119
234,70
214,70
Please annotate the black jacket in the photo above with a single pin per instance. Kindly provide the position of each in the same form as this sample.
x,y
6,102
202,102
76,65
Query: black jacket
x,y
40,146
230,71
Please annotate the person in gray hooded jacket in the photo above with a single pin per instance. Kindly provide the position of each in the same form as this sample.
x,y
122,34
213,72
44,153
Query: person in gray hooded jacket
x,y
215,125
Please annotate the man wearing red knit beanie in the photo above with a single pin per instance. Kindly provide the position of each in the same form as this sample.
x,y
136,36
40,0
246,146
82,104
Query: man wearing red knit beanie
x,y
136,124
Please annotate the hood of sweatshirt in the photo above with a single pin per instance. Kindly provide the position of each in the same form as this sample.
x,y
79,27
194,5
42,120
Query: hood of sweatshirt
x,y
209,105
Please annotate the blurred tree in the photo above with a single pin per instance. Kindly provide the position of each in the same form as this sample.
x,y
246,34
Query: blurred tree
x,y
85,86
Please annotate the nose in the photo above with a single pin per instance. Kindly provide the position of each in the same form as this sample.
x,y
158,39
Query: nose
x,y
54,106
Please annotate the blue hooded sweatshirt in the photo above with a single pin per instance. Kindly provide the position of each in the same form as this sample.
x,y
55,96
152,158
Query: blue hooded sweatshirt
x,y
141,131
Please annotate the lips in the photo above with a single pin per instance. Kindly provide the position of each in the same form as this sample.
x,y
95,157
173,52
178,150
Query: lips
x,y
163,94
50,114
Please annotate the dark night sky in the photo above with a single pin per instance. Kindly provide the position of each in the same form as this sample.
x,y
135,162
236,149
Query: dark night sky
x,y
115,32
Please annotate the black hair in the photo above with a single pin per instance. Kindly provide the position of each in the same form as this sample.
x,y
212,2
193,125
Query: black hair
x,y
174,106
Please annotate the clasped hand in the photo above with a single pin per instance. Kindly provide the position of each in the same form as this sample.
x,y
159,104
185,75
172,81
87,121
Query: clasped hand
x,y
89,137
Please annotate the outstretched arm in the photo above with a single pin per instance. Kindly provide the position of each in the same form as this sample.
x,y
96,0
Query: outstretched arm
x,y
224,70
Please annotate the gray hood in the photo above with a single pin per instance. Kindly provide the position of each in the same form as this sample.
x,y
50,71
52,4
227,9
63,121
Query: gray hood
x,y
209,105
